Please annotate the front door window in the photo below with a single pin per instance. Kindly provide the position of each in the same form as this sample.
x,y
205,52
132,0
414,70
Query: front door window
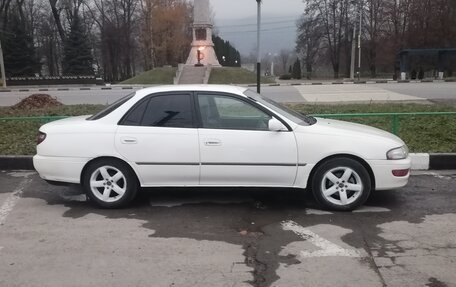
x,y
224,112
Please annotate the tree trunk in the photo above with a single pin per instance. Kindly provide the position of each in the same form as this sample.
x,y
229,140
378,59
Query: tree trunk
x,y
373,59
58,22
336,70
309,69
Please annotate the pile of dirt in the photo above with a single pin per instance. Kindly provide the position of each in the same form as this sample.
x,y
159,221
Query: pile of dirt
x,y
37,101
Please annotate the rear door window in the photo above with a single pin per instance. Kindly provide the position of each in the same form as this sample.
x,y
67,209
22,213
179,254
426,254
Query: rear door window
x,y
174,111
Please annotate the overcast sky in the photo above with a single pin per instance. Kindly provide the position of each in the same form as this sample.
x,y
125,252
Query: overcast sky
x,y
238,9
235,21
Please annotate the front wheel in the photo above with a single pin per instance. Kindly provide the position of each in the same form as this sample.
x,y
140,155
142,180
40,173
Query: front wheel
x,y
109,183
341,184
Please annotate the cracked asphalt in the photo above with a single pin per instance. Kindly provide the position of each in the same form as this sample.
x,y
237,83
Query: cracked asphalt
x,y
51,236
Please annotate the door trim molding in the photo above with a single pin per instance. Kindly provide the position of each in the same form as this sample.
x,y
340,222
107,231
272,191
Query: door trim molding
x,y
221,164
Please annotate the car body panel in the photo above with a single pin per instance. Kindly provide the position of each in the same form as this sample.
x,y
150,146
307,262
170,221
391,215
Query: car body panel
x,y
60,169
162,156
384,178
247,158
180,157
329,137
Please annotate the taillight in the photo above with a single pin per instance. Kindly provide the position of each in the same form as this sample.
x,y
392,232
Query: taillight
x,y
40,137
401,172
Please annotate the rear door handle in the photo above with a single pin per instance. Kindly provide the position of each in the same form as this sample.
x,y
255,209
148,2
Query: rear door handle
x,y
213,142
128,140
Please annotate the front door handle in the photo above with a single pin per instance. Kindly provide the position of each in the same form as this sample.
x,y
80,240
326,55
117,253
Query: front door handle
x,y
213,142
128,140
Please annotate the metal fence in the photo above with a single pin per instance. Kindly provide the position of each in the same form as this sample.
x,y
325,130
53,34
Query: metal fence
x,y
394,117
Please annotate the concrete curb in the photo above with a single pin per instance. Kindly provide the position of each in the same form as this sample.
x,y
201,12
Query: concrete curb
x,y
12,162
420,161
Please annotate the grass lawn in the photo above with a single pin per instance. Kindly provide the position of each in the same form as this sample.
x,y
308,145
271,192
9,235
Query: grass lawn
x,y
421,133
232,75
157,76
18,137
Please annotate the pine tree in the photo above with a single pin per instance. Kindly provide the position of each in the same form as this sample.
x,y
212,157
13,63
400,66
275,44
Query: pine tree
x,y
18,50
77,52
297,70
226,53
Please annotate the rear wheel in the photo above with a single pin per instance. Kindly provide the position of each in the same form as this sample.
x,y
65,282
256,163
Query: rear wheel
x,y
341,184
109,183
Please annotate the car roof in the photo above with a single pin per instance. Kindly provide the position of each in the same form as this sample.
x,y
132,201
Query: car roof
x,y
196,88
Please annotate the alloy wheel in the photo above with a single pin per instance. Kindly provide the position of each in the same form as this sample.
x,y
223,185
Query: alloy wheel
x,y
108,183
341,186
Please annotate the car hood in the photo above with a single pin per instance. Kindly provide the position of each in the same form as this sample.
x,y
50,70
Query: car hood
x,y
348,129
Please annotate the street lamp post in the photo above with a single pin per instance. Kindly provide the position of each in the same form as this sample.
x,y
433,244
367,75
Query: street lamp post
x,y
359,38
2,66
258,47
353,55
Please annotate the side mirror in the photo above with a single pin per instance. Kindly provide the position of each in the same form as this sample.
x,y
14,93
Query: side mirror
x,y
276,126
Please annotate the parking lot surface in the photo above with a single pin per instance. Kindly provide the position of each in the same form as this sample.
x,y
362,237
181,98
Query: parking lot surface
x,y
51,236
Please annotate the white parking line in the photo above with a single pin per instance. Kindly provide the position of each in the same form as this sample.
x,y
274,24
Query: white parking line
x,y
436,175
163,202
77,197
327,248
12,200
362,209
311,211
371,209
24,174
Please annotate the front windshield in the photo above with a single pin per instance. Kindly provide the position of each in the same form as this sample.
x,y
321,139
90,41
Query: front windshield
x,y
111,107
280,109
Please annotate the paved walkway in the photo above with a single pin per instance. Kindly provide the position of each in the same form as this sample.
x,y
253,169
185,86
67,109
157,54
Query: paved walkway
x,y
351,93
342,93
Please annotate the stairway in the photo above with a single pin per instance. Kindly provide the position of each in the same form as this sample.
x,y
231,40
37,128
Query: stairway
x,y
192,75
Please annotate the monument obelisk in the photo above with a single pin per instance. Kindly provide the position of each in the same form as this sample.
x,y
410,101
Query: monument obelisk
x,y
202,45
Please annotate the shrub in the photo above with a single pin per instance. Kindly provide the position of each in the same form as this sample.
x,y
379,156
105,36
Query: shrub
x,y
285,77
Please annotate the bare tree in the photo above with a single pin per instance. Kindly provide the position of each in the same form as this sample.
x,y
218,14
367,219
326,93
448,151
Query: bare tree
x,y
284,56
330,15
147,39
116,21
374,28
309,42
58,22
4,10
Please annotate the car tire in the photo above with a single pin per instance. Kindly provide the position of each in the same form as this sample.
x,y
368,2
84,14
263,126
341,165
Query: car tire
x,y
341,184
109,183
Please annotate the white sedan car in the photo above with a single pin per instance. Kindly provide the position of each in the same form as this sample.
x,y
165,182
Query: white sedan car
x,y
217,136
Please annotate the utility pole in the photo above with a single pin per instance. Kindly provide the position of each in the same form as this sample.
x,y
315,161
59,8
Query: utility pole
x,y
2,66
353,55
359,37
258,47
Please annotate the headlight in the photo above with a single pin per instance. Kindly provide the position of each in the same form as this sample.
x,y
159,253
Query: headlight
x,y
398,153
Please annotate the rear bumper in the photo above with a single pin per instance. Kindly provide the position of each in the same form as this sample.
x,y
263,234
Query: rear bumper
x,y
60,169
383,173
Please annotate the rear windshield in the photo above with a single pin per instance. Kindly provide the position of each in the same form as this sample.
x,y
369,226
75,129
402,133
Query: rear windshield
x,y
106,111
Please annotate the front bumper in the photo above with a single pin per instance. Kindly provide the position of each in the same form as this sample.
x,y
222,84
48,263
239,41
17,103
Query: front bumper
x,y
383,173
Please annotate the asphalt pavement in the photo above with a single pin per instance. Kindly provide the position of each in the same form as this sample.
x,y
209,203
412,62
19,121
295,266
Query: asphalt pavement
x,y
51,236
327,93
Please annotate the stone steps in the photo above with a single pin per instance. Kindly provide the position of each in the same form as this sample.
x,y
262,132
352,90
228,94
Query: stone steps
x,y
192,75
